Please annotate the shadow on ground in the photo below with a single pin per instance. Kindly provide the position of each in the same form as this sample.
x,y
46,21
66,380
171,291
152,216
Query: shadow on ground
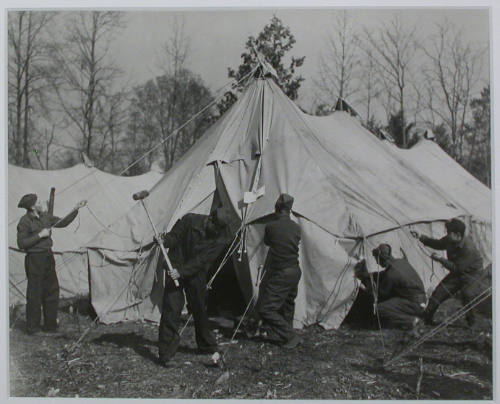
x,y
142,346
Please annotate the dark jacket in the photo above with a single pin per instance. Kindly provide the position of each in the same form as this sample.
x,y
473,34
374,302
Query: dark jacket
x,y
399,279
283,238
191,249
463,259
29,226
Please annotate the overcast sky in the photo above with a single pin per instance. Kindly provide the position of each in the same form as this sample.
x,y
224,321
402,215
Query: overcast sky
x,y
218,36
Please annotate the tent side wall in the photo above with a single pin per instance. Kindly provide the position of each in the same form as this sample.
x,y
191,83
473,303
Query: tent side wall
x,y
108,197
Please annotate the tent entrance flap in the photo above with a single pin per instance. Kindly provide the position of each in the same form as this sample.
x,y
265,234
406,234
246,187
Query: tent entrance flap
x,y
233,282
225,297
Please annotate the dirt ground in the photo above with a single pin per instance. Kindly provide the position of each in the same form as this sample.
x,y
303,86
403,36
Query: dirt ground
x,y
120,361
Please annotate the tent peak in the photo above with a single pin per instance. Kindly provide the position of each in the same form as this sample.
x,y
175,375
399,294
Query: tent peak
x,y
86,160
343,105
264,69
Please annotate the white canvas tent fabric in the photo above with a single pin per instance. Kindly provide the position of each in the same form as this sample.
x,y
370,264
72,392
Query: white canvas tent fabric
x,y
109,197
351,192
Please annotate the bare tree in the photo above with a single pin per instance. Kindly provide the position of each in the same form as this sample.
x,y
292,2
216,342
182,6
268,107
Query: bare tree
x,y
168,102
369,88
84,77
114,122
339,60
176,51
27,77
393,50
452,76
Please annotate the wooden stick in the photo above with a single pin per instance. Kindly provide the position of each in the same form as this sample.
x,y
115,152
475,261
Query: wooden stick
x,y
420,377
51,200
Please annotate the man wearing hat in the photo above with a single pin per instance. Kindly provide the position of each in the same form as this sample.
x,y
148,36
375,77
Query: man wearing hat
x,y
276,304
464,263
34,237
400,291
196,241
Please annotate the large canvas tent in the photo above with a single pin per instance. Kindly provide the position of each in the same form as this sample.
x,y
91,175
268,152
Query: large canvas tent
x,y
352,191
109,197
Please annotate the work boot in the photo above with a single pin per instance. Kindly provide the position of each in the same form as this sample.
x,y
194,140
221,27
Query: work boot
x,y
431,322
167,351
293,342
32,331
163,362
429,319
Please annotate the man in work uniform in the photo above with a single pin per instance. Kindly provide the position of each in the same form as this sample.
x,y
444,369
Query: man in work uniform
x,y
196,241
399,290
276,304
465,265
34,237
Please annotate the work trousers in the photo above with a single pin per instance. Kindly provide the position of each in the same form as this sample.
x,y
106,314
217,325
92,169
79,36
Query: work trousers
x,y
399,312
42,291
464,286
170,322
276,305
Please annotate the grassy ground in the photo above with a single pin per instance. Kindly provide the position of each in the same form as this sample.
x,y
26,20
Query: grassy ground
x,y
120,361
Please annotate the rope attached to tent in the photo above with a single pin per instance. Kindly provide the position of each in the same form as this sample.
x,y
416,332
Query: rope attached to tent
x,y
230,251
17,289
375,306
335,291
106,311
174,132
485,294
107,228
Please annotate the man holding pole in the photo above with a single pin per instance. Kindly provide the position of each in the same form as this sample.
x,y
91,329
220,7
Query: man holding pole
x,y
34,237
196,241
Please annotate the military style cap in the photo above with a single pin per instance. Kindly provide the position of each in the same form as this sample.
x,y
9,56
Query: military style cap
x,y
284,201
383,250
455,226
27,201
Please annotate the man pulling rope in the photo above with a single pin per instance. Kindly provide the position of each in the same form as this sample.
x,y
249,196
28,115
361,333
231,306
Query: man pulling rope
x,y
464,264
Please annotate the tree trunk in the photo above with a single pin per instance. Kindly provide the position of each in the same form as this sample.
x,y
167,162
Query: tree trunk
x,y
26,161
19,95
403,120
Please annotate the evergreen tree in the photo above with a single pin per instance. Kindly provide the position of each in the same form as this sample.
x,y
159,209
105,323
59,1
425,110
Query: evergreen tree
x,y
273,42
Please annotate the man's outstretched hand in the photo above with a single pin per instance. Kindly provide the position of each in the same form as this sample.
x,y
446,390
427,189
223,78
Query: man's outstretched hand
x,y
81,204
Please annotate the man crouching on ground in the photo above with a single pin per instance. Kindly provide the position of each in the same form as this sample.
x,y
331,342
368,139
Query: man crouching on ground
x,y
400,291
276,304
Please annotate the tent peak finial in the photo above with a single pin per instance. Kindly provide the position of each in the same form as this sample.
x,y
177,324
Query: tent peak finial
x,y
86,160
264,68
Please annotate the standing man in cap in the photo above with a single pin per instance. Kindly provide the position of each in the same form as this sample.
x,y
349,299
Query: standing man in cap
x,y
464,263
276,304
34,237
400,291
196,241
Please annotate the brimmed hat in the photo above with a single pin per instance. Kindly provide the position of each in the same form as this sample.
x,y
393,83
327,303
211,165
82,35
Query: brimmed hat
x,y
27,201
